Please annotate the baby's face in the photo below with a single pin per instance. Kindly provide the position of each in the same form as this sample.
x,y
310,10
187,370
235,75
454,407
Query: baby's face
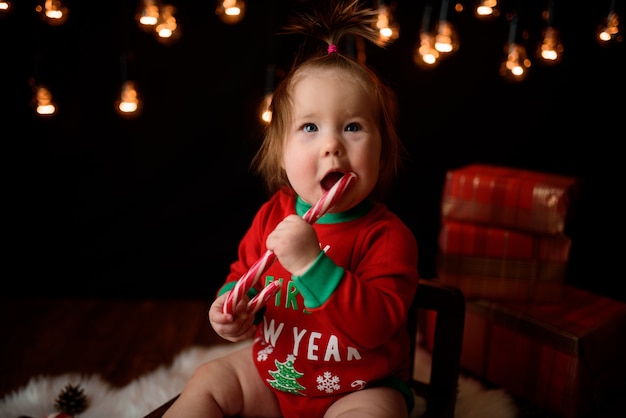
x,y
334,129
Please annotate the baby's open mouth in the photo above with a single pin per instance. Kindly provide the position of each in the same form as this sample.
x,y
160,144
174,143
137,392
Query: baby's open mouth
x,y
330,179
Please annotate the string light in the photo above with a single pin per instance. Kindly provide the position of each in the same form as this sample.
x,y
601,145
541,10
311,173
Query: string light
x,y
425,54
128,104
5,7
266,111
166,28
550,49
230,11
53,12
44,105
386,24
487,9
431,47
446,37
516,63
148,15
609,32
160,20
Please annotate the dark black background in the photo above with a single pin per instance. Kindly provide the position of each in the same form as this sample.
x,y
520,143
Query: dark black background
x,y
99,205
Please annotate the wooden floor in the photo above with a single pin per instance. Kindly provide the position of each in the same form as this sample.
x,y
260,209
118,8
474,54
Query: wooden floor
x,y
119,339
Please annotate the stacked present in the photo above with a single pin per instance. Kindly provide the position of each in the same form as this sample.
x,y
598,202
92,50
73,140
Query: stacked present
x,y
503,243
566,357
503,232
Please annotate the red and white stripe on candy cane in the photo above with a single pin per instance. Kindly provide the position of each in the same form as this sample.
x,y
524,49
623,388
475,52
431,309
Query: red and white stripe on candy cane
x,y
245,283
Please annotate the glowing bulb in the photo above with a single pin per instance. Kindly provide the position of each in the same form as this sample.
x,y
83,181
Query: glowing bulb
x,y
385,24
266,111
516,63
148,15
610,32
167,29
550,50
230,11
53,12
129,103
486,9
446,39
5,7
425,54
44,105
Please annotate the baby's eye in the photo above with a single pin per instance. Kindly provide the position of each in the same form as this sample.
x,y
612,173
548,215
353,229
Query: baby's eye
x,y
353,127
309,127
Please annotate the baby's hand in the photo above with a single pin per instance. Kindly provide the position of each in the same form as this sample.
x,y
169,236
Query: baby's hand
x,y
295,244
237,327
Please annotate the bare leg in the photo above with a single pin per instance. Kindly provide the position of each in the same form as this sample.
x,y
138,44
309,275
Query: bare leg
x,y
225,387
381,402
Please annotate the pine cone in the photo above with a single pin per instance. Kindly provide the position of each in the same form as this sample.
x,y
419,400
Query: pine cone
x,y
71,401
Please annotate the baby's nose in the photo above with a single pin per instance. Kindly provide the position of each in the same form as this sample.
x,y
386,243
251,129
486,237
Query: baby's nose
x,y
332,145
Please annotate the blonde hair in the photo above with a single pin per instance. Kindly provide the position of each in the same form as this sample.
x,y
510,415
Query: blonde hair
x,y
332,25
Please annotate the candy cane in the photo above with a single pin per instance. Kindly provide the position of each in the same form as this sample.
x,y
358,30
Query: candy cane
x,y
264,295
245,283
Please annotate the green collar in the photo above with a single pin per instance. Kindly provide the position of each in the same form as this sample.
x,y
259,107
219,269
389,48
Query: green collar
x,y
334,218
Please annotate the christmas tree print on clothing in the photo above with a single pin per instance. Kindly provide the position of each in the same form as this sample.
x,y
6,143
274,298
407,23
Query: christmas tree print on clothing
x,y
285,377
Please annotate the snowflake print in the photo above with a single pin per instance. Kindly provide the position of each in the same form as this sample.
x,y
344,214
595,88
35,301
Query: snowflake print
x,y
328,383
263,354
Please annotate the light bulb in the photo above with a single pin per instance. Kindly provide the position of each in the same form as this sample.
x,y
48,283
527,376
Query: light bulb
x,y
487,9
167,29
148,15
425,55
44,105
516,63
609,32
266,105
53,12
5,7
266,112
386,25
129,104
446,39
551,49
230,11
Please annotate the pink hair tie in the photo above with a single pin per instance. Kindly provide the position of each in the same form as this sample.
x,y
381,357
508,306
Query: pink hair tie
x,y
332,48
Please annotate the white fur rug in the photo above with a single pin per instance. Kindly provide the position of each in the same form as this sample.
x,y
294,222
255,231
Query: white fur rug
x,y
138,398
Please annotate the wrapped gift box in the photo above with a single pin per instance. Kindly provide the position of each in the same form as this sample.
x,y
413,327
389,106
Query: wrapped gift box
x,y
502,264
566,357
509,197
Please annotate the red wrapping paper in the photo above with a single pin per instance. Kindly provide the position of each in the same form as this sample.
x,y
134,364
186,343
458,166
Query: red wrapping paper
x,y
468,239
502,264
565,356
509,197
503,289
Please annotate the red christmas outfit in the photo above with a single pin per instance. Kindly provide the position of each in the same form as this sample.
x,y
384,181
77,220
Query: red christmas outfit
x,y
341,326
